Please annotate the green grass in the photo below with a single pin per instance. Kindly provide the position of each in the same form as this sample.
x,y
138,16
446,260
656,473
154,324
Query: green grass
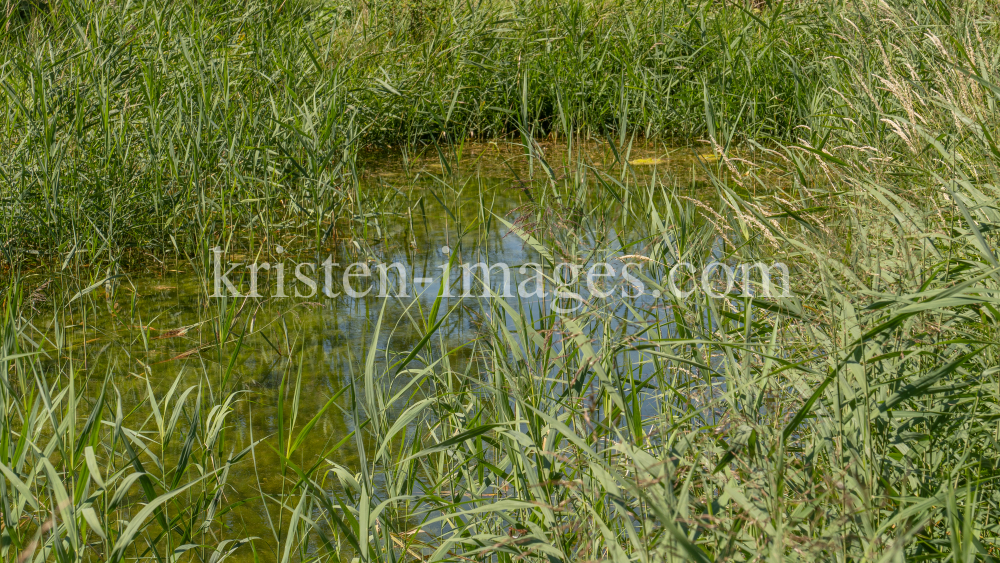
x,y
858,420
140,125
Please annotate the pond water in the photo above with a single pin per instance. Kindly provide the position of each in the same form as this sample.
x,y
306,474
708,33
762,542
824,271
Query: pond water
x,y
160,327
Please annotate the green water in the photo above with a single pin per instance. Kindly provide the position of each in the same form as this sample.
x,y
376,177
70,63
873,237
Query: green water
x,y
159,325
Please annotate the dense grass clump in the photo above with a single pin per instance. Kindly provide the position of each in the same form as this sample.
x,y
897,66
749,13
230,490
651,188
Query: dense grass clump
x,y
149,125
856,419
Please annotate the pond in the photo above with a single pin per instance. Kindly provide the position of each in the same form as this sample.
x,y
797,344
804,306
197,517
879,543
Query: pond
x,y
181,335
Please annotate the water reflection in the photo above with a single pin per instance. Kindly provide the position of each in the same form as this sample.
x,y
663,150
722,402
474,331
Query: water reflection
x,y
166,329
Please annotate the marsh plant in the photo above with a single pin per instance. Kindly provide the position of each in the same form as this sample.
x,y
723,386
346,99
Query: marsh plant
x,y
856,419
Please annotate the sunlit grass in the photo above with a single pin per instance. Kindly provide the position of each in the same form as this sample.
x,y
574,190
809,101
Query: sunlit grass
x,y
857,420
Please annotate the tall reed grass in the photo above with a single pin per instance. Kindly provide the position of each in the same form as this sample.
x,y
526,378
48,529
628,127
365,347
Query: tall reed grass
x,y
135,126
854,141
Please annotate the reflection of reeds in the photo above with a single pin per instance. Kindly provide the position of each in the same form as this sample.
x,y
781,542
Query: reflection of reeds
x,y
172,333
38,296
29,550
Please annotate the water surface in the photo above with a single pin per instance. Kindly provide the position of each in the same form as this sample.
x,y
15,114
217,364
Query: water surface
x,y
160,327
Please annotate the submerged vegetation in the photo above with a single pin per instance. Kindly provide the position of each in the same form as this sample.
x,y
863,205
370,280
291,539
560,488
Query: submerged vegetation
x,y
856,142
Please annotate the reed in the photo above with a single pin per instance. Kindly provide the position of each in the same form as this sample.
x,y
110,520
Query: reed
x,y
855,420
138,126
